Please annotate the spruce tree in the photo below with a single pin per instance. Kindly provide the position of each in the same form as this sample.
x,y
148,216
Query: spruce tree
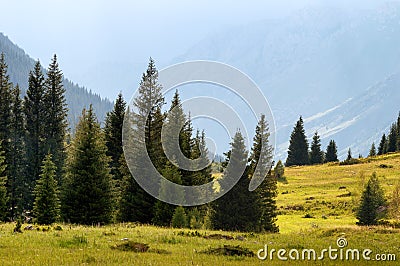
x,y
86,195
191,148
46,206
372,151
179,218
372,203
113,133
316,155
55,122
17,188
176,120
5,107
238,209
298,147
261,156
148,116
146,119
113,136
392,139
35,111
12,132
135,204
382,144
3,189
5,133
331,152
349,156
260,147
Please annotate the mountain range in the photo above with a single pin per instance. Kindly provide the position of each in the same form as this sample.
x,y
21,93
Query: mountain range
x,y
339,69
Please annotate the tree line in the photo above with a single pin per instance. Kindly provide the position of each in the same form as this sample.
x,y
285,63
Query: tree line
x,y
52,175
299,152
389,142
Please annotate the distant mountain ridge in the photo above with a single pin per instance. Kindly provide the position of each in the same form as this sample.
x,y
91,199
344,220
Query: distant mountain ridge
x,y
317,60
77,97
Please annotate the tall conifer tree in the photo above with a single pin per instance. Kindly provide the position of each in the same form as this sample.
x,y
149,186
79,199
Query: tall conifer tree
x,y
113,134
35,111
298,147
17,188
145,119
349,156
5,134
331,152
46,206
238,209
86,195
316,154
55,116
5,106
261,155
382,145
176,120
392,139
372,151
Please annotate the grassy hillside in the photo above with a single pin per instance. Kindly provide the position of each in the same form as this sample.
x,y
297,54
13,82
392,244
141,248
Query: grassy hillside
x,y
329,193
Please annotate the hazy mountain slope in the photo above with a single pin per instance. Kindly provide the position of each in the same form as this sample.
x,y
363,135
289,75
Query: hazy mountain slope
x,y
314,61
19,65
355,123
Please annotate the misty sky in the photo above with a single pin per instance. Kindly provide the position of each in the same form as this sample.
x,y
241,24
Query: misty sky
x,y
90,35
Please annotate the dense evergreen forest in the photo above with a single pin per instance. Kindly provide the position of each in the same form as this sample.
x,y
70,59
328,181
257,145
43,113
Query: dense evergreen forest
x,y
49,174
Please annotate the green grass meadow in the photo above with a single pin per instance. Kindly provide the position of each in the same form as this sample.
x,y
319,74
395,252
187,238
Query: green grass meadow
x,y
326,194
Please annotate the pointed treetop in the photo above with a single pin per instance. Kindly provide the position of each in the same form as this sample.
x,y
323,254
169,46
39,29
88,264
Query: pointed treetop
x,y
316,155
151,68
298,147
349,157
